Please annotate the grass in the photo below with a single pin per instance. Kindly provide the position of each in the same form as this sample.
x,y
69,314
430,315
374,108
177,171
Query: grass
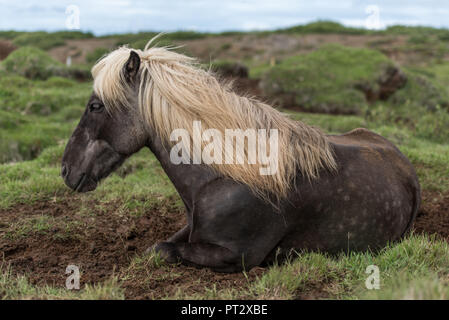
x,y
344,277
29,181
18,287
95,55
40,225
60,228
37,114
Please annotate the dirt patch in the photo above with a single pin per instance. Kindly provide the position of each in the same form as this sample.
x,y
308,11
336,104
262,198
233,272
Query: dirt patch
x,y
98,240
79,49
102,239
433,217
279,46
388,83
316,292
6,47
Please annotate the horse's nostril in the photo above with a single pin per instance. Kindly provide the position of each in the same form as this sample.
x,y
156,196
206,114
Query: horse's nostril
x,y
64,171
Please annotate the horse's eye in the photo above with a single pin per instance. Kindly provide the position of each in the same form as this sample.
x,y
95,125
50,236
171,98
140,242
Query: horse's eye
x,y
96,107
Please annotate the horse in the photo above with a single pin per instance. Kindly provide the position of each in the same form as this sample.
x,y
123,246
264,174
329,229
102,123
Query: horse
x,y
331,193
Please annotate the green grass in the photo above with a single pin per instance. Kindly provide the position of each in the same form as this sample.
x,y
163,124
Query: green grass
x,y
36,114
95,55
425,88
29,181
344,277
38,225
18,287
60,229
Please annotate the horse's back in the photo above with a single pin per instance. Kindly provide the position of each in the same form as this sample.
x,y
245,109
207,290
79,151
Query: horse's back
x,y
363,138
376,150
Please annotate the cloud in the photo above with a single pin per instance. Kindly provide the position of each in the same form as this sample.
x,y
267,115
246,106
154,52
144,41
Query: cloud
x,y
104,16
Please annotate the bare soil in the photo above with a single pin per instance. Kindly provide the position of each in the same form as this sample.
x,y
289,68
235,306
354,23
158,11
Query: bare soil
x,y
6,47
433,217
78,49
101,241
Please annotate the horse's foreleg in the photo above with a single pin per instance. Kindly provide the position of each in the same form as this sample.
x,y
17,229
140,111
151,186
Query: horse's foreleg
x,y
180,236
201,255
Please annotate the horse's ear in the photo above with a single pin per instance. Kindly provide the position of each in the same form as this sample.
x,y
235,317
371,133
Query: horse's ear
x,y
131,67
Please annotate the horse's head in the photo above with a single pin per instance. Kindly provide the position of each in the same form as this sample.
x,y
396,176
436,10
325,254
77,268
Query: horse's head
x,y
105,136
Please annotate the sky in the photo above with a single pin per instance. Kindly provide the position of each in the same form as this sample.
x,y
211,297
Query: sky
x,y
121,16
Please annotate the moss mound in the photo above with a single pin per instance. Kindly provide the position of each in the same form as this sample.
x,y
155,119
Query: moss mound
x,y
325,27
33,63
333,79
44,40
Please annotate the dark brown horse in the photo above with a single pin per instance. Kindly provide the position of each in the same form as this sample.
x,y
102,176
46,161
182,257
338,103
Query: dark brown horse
x,y
354,191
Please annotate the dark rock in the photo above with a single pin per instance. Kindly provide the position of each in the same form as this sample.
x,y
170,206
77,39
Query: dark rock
x,y
6,48
391,80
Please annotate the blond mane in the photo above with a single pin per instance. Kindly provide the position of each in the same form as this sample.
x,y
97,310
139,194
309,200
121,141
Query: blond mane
x,y
174,91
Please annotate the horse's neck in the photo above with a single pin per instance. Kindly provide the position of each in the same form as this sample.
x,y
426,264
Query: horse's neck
x,y
188,179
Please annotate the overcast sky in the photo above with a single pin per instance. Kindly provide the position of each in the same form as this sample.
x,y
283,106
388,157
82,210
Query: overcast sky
x,y
118,16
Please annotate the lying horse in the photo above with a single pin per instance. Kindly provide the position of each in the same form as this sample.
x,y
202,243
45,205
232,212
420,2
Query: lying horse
x,y
333,193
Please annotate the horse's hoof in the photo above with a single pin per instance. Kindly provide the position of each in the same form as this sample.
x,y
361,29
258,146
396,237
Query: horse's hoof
x,y
166,250
150,250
